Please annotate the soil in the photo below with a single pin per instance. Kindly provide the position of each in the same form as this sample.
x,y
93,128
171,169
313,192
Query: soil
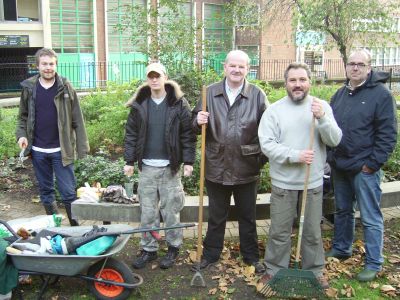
x,y
227,280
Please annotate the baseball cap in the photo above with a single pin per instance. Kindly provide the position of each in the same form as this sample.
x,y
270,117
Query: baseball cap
x,y
156,67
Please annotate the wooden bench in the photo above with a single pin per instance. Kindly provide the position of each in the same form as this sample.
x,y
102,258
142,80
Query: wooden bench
x,y
131,213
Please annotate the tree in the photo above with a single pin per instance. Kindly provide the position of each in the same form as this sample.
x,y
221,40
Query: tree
x,y
164,32
345,23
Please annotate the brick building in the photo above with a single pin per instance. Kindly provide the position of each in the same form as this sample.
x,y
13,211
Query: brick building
x,y
83,33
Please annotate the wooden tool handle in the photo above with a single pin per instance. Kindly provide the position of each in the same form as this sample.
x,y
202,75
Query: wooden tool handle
x,y
202,167
304,196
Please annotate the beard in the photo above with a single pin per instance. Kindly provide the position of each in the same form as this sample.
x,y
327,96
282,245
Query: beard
x,y
297,98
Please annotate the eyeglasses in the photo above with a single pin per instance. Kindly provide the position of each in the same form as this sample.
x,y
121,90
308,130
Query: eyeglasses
x,y
358,65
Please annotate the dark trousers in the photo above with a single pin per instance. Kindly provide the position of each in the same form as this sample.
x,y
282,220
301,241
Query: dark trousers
x,y
46,165
219,202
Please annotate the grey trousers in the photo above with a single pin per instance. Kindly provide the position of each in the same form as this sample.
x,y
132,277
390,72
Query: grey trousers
x,y
283,212
160,191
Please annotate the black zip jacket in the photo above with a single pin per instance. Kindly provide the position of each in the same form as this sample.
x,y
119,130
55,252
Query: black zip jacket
x,y
180,139
367,117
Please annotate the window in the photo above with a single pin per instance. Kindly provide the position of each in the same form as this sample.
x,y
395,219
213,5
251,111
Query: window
x,y
19,10
385,56
120,41
72,26
217,35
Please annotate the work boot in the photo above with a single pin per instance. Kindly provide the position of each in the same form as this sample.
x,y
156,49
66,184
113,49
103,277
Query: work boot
x,y
205,263
334,253
170,258
259,267
323,282
72,221
366,275
144,258
51,208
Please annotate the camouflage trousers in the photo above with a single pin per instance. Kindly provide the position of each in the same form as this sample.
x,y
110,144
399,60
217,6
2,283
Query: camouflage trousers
x,y
160,191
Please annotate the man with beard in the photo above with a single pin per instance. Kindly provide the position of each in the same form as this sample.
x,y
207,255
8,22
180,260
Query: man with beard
x,y
365,110
51,129
284,135
233,157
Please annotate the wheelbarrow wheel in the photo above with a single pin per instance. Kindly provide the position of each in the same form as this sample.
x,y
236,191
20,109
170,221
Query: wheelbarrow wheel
x,y
114,270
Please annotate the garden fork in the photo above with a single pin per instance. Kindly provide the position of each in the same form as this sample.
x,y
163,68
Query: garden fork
x,y
22,158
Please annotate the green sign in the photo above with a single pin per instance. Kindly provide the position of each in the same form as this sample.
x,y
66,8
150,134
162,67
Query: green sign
x,y
10,41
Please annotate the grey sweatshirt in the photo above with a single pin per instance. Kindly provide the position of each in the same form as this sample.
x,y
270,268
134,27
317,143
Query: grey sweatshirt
x,y
284,131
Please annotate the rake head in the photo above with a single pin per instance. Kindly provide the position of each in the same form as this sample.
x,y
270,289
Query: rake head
x,y
298,284
198,279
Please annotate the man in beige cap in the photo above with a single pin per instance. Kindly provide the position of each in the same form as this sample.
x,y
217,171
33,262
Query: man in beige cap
x,y
159,138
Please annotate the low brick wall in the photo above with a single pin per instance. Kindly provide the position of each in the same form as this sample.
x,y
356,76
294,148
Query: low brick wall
x,y
131,213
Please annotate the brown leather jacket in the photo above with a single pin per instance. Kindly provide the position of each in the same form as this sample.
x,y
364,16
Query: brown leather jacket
x,y
233,154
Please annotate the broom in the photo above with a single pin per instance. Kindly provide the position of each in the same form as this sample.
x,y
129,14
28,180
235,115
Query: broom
x,y
296,283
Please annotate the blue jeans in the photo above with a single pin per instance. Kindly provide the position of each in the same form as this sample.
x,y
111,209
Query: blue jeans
x,y
46,165
362,189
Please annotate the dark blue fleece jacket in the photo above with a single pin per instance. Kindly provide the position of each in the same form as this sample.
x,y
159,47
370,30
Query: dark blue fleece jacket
x,y
367,117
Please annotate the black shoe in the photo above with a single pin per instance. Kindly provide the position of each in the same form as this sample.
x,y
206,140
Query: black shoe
x,y
259,267
170,258
144,258
204,264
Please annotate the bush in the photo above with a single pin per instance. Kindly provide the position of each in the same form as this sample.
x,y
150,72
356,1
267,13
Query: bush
x,y
192,81
100,169
8,124
105,115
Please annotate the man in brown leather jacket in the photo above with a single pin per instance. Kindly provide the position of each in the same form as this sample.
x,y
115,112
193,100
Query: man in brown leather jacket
x,y
233,157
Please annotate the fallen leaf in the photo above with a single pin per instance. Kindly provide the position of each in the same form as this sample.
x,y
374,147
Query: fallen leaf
x,y
193,256
387,288
347,291
226,254
212,291
36,199
374,285
249,271
331,292
394,259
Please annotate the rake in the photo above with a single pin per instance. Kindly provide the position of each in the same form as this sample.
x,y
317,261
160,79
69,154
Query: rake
x,y
198,279
296,283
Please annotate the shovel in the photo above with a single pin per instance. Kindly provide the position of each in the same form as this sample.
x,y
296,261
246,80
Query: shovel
x,y
296,283
198,279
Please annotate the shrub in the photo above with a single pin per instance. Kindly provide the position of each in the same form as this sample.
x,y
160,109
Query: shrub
x,y
102,169
392,167
105,115
8,123
192,81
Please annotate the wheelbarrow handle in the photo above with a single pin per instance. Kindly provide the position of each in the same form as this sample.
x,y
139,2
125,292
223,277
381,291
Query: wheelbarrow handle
x,y
9,228
138,230
73,242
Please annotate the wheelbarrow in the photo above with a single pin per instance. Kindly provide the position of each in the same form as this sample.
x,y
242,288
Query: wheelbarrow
x,y
107,277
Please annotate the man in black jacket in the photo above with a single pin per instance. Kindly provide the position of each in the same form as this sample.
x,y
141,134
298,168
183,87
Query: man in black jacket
x,y
365,111
159,138
233,157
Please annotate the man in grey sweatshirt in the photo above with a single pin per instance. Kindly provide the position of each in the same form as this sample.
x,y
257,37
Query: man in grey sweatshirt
x,y
284,134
